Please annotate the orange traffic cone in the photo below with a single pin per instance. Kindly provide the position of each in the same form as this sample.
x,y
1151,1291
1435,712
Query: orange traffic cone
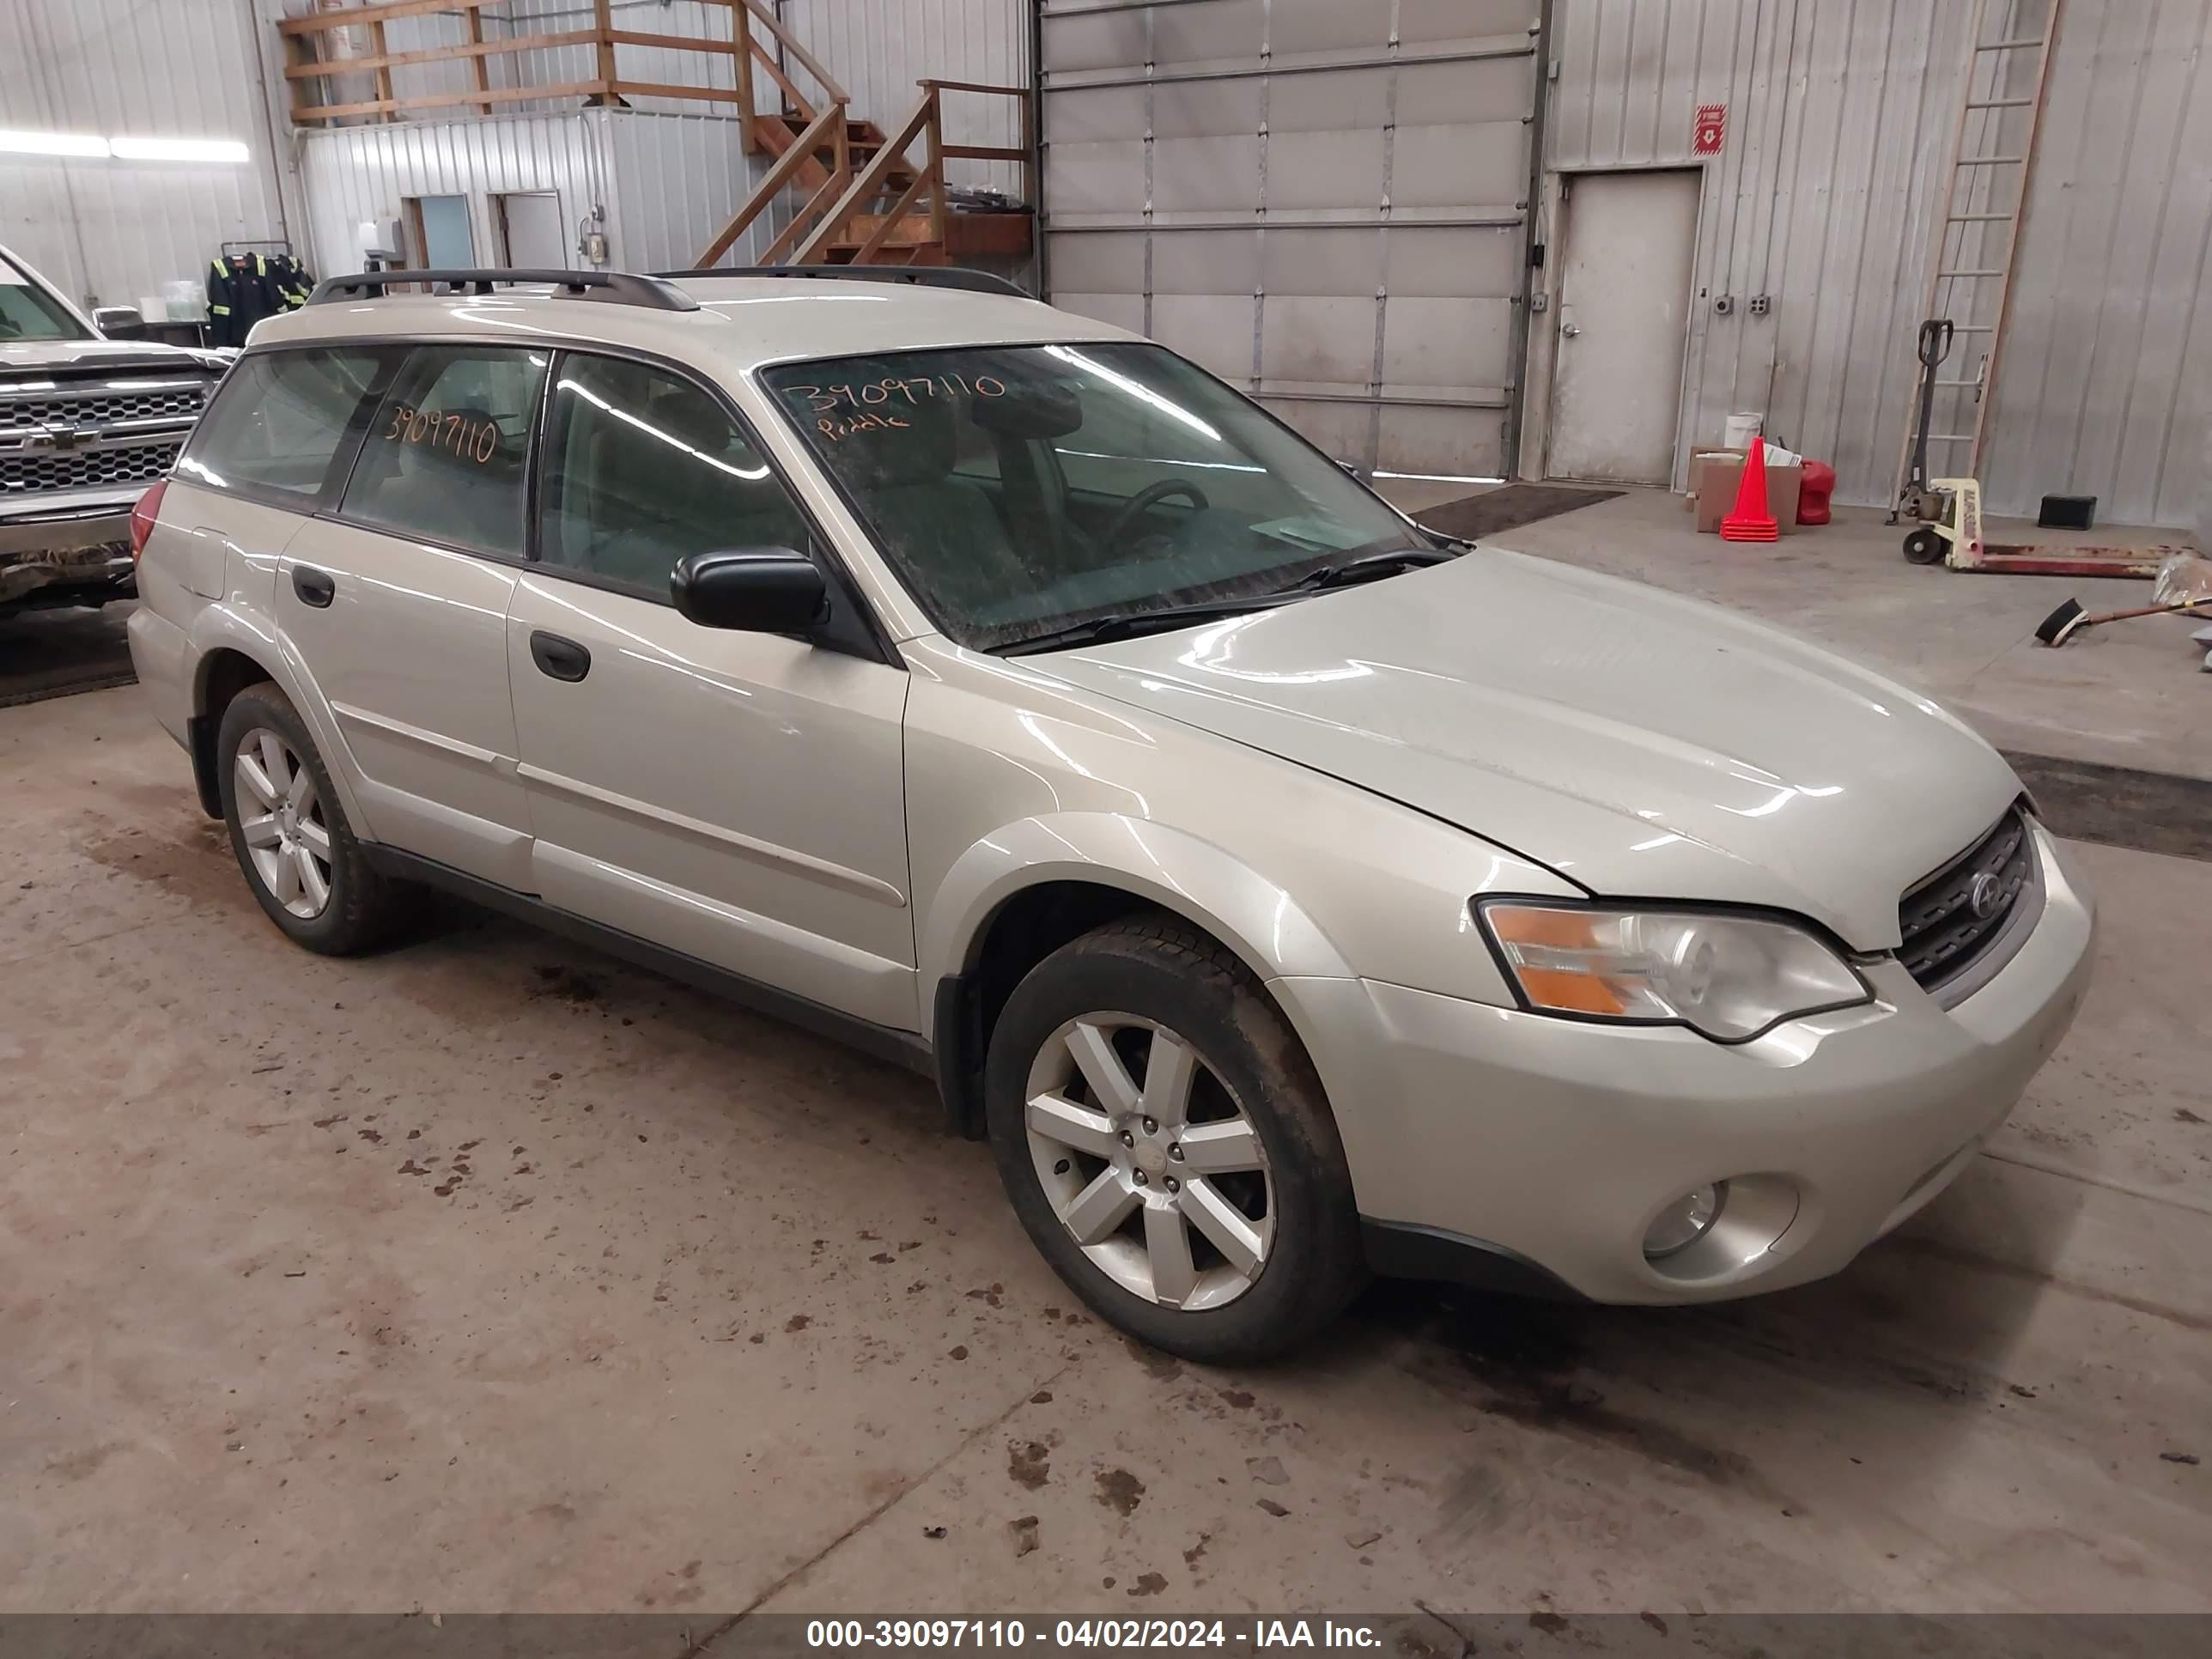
x,y
1751,521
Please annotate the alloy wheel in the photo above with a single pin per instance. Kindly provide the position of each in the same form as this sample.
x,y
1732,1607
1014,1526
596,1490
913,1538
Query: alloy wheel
x,y
280,817
1150,1161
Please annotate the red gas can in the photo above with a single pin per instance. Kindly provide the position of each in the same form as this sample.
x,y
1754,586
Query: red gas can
x,y
1818,482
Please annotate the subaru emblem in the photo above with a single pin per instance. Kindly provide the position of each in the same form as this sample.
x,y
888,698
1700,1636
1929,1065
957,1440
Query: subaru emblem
x,y
1982,897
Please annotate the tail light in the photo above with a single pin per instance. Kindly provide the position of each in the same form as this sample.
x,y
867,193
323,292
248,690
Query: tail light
x,y
142,516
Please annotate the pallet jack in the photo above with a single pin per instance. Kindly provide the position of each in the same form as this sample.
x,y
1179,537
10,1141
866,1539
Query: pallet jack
x,y
1950,509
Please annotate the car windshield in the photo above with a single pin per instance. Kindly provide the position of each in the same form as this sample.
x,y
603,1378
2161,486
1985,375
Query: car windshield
x,y
27,312
1025,491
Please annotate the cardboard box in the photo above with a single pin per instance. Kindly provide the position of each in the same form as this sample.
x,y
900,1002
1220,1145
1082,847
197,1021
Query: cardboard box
x,y
1716,475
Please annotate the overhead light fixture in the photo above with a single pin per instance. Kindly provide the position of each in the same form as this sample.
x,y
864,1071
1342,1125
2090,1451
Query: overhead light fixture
x,y
226,150
52,143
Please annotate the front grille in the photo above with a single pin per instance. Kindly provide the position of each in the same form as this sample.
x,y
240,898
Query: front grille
x,y
31,473
1945,934
20,412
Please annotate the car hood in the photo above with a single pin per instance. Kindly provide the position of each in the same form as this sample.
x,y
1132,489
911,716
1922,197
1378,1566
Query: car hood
x,y
22,355
1642,744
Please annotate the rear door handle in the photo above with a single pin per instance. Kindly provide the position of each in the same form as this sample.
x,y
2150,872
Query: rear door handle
x,y
564,659
315,587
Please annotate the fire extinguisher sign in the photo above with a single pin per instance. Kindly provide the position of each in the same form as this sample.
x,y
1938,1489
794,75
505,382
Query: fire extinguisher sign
x,y
1710,129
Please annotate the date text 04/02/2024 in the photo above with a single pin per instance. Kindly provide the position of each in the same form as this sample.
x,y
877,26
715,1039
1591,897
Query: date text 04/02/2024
x,y
1091,1633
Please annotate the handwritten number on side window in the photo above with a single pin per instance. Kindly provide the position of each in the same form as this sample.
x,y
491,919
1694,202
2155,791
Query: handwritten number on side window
x,y
477,440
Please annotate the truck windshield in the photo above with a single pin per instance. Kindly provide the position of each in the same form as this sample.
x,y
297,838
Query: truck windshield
x,y
27,312
1024,490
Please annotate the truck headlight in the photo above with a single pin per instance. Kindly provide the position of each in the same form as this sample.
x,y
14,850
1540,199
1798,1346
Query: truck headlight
x,y
1728,976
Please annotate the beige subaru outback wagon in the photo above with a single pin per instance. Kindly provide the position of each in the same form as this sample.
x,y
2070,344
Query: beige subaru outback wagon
x,y
1285,891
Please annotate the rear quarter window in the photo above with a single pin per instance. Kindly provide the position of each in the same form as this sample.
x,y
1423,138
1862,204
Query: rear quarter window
x,y
278,421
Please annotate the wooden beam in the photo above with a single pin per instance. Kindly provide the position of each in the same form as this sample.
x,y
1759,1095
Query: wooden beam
x,y
481,72
663,89
304,69
973,86
447,101
741,42
604,17
983,152
383,75
673,42
322,22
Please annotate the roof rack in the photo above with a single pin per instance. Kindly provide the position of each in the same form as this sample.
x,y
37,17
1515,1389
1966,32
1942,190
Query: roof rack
x,y
618,287
960,276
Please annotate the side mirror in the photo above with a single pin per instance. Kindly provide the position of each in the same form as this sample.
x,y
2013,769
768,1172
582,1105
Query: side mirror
x,y
756,590
118,319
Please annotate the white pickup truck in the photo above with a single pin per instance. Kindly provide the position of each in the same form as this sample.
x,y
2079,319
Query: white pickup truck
x,y
87,423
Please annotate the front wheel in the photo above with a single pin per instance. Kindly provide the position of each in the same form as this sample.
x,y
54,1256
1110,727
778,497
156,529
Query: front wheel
x,y
1167,1145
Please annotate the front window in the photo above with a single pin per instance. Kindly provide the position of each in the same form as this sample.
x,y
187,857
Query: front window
x,y
27,312
1024,489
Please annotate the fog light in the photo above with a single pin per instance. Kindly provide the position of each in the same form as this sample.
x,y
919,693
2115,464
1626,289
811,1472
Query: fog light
x,y
1685,1221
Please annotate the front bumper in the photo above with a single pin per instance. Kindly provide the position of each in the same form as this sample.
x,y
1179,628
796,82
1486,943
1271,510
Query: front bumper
x,y
1557,1143
83,547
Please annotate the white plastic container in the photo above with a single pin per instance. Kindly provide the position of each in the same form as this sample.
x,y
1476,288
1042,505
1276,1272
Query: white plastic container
x,y
1742,428
184,302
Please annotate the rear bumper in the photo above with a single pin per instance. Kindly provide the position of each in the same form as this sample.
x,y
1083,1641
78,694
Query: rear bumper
x,y
86,547
1556,1143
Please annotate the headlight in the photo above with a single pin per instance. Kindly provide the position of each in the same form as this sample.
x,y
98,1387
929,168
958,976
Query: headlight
x,y
1730,977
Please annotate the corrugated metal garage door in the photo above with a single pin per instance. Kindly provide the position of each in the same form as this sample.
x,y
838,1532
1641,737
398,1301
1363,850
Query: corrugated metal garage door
x,y
1320,200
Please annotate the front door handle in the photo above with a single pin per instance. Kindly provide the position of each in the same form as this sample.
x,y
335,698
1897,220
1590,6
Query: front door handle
x,y
564,659
315,587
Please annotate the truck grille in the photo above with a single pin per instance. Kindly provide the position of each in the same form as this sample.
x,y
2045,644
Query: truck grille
x,y
19,411
91,431
1945,931
86,469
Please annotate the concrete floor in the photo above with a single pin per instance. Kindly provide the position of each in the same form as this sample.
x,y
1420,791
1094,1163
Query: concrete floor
x,y
492,1274
2129,693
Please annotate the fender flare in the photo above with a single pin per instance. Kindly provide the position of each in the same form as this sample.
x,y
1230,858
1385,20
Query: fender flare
x,y
1185,873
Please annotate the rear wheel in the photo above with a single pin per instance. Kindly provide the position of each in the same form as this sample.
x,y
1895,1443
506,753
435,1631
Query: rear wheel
x,y
290,835
1923,547
1166,1144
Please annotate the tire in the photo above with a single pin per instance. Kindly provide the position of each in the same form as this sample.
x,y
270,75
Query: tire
x,y
357,907
1258,1139
1923,547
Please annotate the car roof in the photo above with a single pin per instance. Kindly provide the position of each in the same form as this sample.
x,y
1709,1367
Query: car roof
x,y
744,321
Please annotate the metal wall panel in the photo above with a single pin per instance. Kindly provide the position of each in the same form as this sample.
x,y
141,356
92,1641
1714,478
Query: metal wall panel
x,y
1840,122
667,182
114,230
366,172
1319,200
677,180
879,49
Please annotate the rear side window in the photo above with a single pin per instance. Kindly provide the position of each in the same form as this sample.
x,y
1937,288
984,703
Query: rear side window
x,y
446,457
642,467
279,421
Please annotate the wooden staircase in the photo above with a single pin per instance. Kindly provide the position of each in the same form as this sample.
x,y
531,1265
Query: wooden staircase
x,y
909,242
866,199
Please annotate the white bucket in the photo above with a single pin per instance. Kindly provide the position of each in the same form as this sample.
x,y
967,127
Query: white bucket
x,y
1742,428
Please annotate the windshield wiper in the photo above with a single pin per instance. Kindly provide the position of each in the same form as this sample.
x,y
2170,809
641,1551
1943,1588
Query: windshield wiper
x,y
1370,567
1131,624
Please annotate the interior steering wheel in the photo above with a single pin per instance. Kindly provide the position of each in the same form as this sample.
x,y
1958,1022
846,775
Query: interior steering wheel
x,y
1151,495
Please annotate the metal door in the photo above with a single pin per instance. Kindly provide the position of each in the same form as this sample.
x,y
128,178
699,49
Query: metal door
x,y
1322,200
1623,319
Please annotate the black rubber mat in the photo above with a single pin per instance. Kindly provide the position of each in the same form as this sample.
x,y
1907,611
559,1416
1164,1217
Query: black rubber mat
x,y
1477,517
2145,812
51,653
